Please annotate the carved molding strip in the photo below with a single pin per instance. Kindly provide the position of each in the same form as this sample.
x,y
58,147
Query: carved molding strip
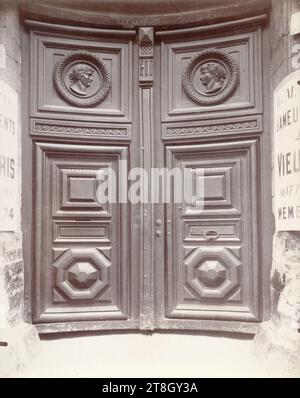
x,y
145,66
61,130
119,33
258,19
211,128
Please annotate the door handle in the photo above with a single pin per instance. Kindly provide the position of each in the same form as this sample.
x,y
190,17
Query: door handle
x,y
211,234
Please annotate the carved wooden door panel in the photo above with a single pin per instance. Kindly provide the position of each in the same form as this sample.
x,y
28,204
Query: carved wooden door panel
x,y
211,269
85,267
211,125
82,252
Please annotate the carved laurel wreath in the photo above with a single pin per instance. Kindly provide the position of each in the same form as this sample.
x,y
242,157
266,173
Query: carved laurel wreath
x,y
97,63
210,56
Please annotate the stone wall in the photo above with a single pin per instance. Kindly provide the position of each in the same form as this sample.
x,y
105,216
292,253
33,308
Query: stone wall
x,y
11,262
278,340
18,340
12,278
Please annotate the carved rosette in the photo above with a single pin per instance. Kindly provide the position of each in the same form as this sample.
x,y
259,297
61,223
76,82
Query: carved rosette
x,y
82,79
210,77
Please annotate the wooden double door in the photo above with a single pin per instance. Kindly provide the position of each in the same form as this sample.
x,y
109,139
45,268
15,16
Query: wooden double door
x,y
125,99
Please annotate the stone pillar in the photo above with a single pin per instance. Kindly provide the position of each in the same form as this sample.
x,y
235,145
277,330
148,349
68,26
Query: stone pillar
x,y
18,340
277,341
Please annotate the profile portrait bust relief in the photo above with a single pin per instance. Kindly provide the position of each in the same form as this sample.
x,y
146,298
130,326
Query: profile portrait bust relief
x,y
212,76
81,79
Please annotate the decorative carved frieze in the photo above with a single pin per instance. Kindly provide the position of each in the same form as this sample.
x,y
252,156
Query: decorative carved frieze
x,y
210,77
211,128
82,79
41,128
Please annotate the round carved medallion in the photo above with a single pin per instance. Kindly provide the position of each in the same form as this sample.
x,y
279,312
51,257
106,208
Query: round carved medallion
x,y
210,77
82,79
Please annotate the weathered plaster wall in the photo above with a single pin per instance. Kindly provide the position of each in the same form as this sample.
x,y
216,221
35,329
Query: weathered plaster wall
x,y
278,340
286,245
18,339
11,261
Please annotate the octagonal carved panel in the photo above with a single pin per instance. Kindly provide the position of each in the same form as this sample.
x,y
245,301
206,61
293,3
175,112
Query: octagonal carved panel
x,y
82,273
212,272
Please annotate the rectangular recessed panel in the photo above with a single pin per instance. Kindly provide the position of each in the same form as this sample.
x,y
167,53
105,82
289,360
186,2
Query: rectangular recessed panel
x,y
78,186
212,230
61,96
188,95
82,189
214,187
214,179
72,231
74,184
81,231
